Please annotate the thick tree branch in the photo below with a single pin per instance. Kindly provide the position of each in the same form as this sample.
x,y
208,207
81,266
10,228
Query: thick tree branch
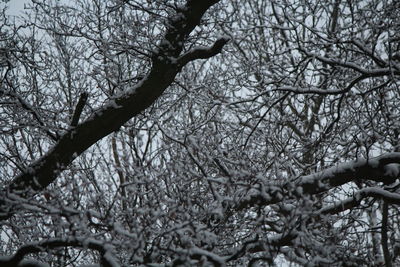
x,y
119,110
352,202
203,52
46,245
385,169
78,109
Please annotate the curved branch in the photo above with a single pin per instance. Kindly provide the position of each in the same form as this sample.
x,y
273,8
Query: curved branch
x,y
42,246
375,169
352,202
203,52
379,169
351,65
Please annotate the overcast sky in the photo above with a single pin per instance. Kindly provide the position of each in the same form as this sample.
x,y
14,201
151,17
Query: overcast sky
x,y
16,6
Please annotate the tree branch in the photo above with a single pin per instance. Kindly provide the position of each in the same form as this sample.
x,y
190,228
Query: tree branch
x,y
379,169
349,203
118,111
25,105
203,52
376,72
78,109
269,244
43,246
384,234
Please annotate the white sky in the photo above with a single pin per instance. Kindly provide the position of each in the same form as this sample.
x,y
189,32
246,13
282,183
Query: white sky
x,y
15,7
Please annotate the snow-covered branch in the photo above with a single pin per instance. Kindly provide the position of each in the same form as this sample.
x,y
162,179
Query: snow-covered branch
x,y
319,91
270,245
354,201
373,72
385,169
118,111
203,52
53,243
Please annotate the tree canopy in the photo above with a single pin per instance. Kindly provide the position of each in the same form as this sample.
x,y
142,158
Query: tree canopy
x,y
200,133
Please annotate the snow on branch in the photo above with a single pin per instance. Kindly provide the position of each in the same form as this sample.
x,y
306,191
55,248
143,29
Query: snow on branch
x,y
385,169
349,203
318,91
270,244
354,66
32,110
118,111
197,253
312,90
203,52
379,169
53,243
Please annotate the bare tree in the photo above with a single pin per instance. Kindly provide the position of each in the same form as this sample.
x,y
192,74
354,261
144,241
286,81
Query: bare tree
x,y
283,149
